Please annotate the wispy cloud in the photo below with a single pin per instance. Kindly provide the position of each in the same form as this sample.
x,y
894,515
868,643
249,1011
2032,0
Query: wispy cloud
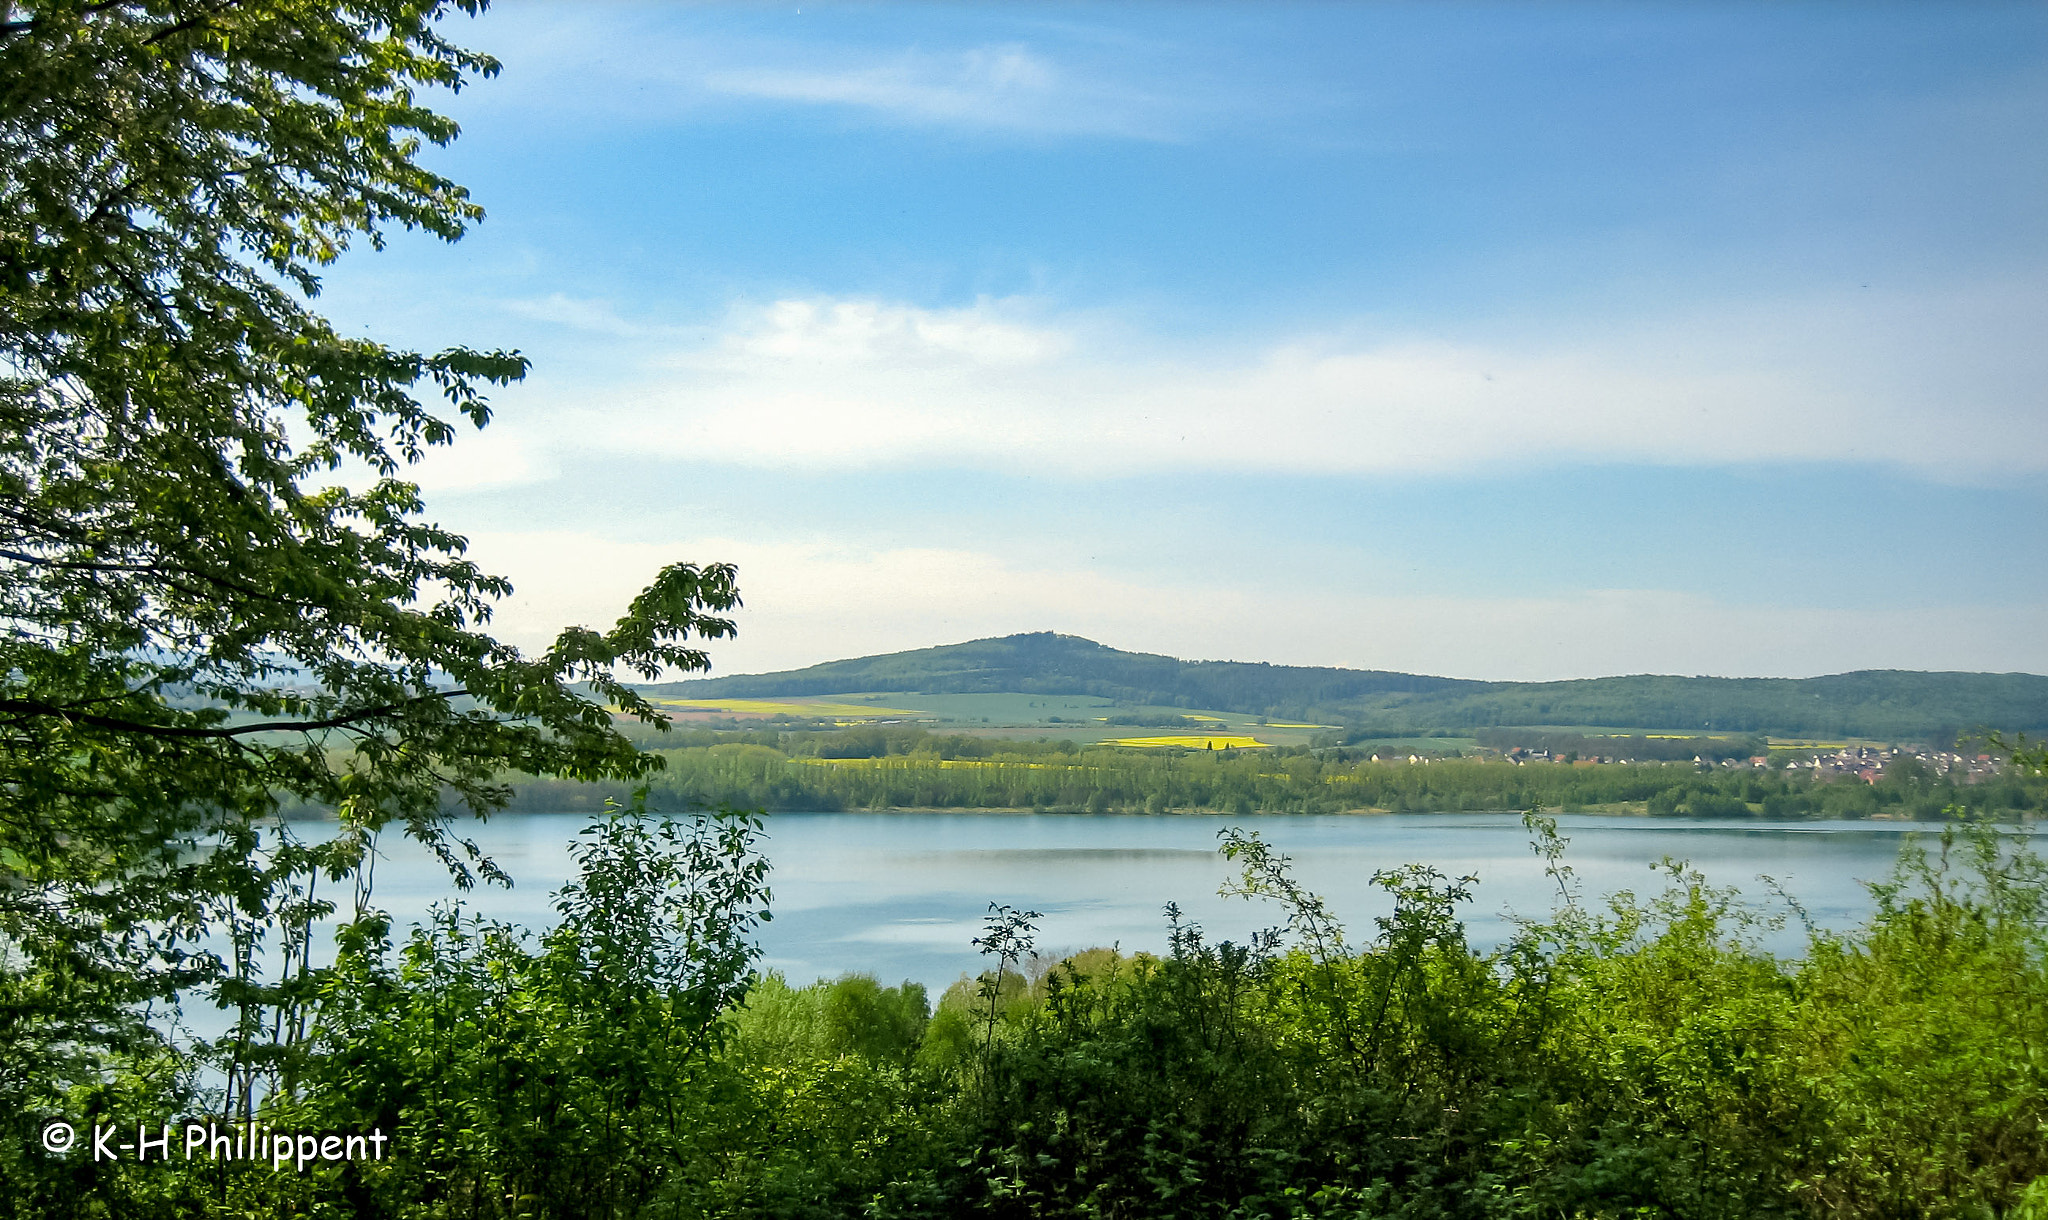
x,y
981,86
1003,87
1937,386
589,317
635,69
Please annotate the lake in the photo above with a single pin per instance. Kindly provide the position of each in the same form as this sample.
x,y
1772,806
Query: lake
x,y
900,895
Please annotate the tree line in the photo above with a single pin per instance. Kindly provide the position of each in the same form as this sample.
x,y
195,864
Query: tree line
x,y
1635,746
906,768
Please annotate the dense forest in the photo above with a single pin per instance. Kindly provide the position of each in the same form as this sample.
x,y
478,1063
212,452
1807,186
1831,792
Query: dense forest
x,y
1889,704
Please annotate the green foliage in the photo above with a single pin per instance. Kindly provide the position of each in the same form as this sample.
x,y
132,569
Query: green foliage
x,y
1007,937
1639,1058
851,1015
570,1078
205,619
1644,1060
826,1111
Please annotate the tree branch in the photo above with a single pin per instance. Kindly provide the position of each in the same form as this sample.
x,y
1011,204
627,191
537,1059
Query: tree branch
x,y
31,708
10,28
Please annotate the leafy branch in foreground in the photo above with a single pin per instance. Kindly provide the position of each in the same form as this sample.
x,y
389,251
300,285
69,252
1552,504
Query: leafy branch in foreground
x,y
217,594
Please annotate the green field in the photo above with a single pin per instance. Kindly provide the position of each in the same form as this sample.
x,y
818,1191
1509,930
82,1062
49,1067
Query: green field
x,y
839,710
1091,720
1078,718
1415,745
1000,710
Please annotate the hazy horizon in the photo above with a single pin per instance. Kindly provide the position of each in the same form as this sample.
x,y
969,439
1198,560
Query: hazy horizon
x,y
1258,661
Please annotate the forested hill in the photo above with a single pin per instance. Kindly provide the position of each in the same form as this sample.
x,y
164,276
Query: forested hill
x,y
1880,703
1049,664
1870,703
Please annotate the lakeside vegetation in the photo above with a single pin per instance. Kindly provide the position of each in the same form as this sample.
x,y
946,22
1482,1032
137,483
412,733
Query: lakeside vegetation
x,y
908,768
1627,1057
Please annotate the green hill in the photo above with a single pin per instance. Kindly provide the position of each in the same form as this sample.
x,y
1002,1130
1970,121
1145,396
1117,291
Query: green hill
x,y
1044,663
1881,703
1896,704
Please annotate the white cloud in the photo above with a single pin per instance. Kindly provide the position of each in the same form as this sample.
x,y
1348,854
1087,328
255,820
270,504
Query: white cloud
x,y
592,317
499,456
1007,87
866,332
1935,385
633,65
811,602
1002,86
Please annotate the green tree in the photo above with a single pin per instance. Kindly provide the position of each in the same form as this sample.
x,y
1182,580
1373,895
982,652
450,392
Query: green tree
x,y
563,1081
201,623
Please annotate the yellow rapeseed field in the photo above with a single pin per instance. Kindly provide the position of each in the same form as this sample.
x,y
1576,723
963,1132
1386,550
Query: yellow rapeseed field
x,y
1210,741
901,762
820,708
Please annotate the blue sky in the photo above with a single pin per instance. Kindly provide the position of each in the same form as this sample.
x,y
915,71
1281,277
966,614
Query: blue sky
x,y
1525,341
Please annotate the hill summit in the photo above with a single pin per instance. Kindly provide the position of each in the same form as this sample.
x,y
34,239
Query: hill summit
x,y
1046,663
1893,704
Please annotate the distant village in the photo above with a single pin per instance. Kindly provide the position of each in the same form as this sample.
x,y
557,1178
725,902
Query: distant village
x,y
1867,763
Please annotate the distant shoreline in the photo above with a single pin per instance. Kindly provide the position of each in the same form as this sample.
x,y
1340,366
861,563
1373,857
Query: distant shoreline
x,y
1023,811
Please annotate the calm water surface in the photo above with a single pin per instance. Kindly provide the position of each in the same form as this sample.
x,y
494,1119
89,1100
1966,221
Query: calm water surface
x,y
900,895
